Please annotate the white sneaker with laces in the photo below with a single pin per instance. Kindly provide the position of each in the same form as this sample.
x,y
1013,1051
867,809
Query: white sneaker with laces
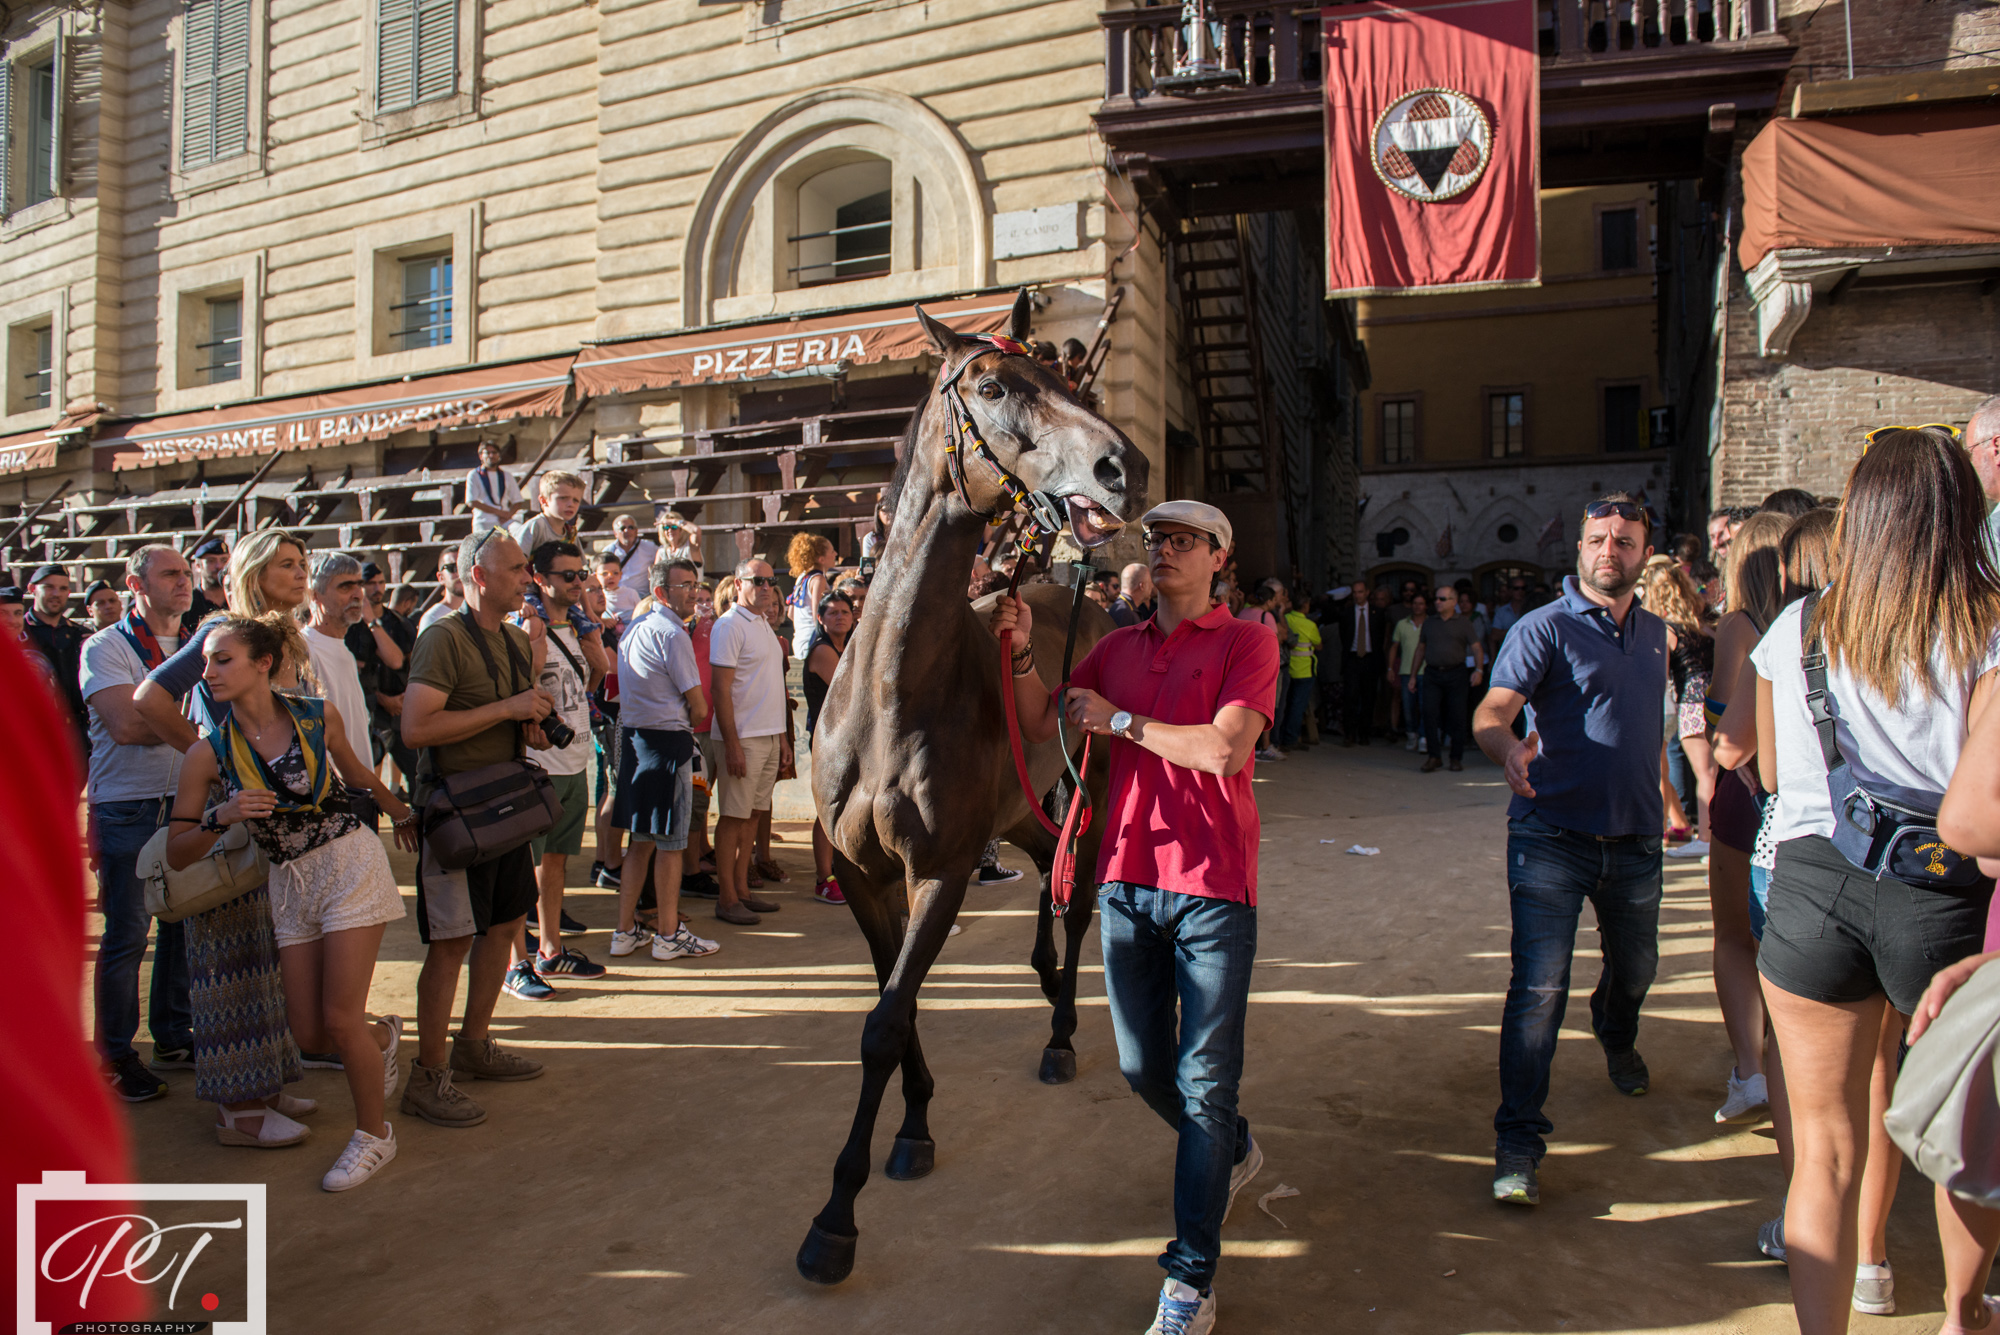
x,y
1183,1311
1874,1290
1240,1175
1745,1096
683,944
624,943
1411,745
359,1161
1693,848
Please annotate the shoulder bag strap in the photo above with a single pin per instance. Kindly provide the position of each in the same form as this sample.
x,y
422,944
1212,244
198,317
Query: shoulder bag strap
x,y
582,676
516,669
1818,704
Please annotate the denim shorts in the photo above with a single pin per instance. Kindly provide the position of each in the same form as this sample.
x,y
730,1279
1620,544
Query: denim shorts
x,y
1836,934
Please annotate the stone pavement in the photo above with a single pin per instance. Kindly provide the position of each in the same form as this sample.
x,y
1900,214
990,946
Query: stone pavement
x,y
663,1172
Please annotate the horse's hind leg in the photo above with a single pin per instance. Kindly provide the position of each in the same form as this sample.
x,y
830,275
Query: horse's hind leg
x,y
1059,1058
827,1254
914,1153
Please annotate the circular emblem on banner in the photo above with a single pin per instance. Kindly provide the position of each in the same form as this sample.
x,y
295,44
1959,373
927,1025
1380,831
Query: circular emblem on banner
x,y
1431,144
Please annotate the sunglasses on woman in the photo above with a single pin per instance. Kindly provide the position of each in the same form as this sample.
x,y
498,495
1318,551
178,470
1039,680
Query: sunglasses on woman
x,y
1945,427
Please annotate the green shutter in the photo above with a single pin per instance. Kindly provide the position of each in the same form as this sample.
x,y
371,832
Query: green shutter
x,y
395,53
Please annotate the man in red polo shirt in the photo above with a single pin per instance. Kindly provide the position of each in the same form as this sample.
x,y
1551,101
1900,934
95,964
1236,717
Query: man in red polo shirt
x,y
1184,696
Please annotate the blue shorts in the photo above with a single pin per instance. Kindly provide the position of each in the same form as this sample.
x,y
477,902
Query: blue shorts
x,y
654,797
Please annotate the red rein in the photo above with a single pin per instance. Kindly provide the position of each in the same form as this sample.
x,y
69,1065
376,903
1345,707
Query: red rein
x,y
1062,875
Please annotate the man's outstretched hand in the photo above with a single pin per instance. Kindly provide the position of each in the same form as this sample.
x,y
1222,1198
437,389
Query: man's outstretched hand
x,y
1518,760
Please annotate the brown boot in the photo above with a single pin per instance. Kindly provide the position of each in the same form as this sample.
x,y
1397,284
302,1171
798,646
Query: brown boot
x,y
1431,765
432,1096
483,1059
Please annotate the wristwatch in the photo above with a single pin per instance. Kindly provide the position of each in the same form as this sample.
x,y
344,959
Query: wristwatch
x,y
1121,724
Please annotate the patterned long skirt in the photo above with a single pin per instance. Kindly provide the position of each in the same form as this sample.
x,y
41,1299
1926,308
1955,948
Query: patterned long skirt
x,y
243,1047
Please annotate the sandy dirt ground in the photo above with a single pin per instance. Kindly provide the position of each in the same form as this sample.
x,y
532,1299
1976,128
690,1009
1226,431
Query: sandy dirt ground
x,y
662,1173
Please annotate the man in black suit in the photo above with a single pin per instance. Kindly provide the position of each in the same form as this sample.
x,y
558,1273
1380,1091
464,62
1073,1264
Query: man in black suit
x,y
1363,622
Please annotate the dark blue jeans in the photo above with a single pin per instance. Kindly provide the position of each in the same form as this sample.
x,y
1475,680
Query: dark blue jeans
x,y
1447,710
1163,949
1550,872
1298,695
122,830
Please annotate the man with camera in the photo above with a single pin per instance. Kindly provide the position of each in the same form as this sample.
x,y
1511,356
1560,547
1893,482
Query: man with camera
x,y
573,663
471,702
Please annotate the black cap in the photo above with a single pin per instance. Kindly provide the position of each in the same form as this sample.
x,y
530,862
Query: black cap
x,y
210,547
49,571
90,589
370,571
10,593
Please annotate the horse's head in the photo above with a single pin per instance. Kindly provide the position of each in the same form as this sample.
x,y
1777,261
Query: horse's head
x,y
1038,431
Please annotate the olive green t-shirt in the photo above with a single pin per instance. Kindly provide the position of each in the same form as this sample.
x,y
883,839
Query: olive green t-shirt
x,y
447,659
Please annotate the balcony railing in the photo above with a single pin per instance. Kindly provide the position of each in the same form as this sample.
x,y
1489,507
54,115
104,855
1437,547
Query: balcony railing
x,y
1258,44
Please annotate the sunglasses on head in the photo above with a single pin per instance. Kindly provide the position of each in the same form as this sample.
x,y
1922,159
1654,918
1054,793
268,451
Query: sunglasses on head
x,y
1945,427
1622,509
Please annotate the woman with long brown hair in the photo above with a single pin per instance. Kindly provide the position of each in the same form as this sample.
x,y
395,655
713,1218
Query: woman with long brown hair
x,y
1672,595
1907,630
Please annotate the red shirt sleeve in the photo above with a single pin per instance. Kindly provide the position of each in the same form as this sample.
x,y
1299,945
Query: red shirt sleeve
x,y
1252,679
1089,674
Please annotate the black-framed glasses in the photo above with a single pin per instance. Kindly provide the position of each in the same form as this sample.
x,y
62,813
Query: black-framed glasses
x,y
1179,542
1622,509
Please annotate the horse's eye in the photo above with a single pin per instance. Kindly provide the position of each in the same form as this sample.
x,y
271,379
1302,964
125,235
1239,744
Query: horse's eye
x,y
991,390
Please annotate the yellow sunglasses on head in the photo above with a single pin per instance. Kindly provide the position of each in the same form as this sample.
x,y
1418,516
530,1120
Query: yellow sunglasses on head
x,y
1945,427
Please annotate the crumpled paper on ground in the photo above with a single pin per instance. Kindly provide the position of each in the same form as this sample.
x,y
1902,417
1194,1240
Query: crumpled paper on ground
x,y
1277,1193
1356,849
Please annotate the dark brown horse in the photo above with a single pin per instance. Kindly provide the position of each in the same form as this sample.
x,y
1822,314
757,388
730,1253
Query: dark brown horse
x,y
911,765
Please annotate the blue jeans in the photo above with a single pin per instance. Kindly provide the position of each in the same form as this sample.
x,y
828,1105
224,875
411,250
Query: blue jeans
x,y
1298,694
1550,872
122,830
1162,948
1413,704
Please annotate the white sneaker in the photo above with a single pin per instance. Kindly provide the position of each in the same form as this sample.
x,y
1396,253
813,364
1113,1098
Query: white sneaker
x,y
624,943
1874,1290
1411,745
1270,753
1744,1097
1182,1311
1240,1175
683,944
392,1061
1693,848
358,1162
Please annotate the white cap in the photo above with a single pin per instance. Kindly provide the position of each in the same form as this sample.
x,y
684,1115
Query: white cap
x,y
1195,515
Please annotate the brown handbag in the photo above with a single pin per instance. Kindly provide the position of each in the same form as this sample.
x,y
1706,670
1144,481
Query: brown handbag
x,y
485,813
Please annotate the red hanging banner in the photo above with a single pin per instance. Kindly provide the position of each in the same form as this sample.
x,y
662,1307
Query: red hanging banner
x,y
1433,147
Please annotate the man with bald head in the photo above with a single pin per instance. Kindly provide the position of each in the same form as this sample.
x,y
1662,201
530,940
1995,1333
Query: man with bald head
x,y
747,672
1135,595
471,702
1982,442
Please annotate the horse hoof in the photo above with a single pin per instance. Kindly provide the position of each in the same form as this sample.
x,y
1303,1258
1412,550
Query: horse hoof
x,y
910,1160
826,1258
1058,1066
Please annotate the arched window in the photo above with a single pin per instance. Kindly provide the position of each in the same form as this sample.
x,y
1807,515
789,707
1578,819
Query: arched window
x,y
850,187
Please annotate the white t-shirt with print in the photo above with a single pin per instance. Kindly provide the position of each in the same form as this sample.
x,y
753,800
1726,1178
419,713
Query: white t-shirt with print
x,y
559,679
1913,745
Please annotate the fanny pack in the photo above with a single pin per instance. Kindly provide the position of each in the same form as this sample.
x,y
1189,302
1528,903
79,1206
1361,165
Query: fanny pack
x,y
1883,829
488,812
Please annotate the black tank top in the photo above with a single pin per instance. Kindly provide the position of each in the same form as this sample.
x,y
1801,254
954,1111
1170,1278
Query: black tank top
x,y
815,687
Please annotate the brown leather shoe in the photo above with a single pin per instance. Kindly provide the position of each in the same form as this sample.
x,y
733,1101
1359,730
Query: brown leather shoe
x,y
756,905
1431,765
483,1059
431,1095
1455,767
769,870
737,914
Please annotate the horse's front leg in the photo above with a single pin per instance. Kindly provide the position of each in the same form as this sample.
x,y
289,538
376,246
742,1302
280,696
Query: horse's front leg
x,y
1059,1058
887,1041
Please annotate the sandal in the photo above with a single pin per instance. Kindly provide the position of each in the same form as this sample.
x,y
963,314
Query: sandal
x,y
276,1130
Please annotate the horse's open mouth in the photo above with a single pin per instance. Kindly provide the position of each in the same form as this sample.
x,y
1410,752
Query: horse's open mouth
x,y
1090,523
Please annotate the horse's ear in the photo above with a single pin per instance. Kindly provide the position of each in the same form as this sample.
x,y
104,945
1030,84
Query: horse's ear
x,y
1017,328
943,341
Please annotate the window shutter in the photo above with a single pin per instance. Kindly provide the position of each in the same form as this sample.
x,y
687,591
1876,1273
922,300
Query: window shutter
x,y
395,53
6,135
59,118
437,50
232,78
198,82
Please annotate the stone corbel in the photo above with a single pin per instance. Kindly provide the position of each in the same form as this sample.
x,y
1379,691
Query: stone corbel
x,y
1782,287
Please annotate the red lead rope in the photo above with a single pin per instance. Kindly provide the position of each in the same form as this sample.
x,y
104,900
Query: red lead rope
x,y
1062,876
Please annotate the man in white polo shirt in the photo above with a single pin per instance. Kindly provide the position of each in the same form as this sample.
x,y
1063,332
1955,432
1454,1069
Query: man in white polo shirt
x,y
339,599
748,675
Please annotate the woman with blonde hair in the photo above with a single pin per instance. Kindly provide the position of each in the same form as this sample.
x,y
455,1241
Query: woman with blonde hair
x,y
810,557
1671,595
244,1054
1905,637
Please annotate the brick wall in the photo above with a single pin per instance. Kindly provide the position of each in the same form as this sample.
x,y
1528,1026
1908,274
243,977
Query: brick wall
x,y
1878,357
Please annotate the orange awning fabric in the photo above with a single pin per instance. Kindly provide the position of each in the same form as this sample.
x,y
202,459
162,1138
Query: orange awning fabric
x,y
786,347
28,451
341,417
1921,177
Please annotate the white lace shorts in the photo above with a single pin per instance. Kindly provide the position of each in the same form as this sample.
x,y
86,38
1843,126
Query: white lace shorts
x,y
334,888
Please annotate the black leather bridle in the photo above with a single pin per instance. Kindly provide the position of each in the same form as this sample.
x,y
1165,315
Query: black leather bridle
x,y
1045,514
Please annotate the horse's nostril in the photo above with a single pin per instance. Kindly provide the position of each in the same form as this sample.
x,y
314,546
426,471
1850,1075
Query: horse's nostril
x,y
1109,475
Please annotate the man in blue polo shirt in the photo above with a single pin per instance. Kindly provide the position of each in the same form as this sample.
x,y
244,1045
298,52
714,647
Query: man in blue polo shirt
x,y
1591,668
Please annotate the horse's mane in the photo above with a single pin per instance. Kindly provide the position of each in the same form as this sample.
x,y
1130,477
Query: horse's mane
x,y
906,455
